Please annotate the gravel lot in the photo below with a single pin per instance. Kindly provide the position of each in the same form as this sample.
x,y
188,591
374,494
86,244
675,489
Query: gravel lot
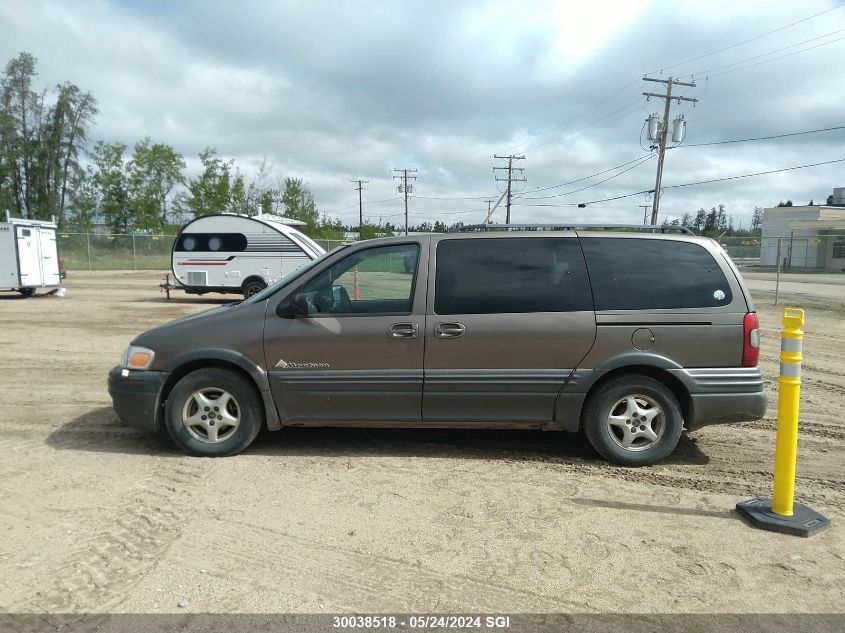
x,y
100,518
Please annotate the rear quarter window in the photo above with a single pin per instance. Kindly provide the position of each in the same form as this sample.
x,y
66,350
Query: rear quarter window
x,y
649,274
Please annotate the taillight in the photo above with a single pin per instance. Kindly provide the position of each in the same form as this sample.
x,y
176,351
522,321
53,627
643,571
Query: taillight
x,y
750,340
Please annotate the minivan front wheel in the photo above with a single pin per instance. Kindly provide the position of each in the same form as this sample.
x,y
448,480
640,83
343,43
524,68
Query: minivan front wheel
x,y
633,420
213,412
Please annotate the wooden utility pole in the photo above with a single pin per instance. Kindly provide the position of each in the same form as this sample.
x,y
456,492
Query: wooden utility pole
x,y
510,179
405,188
360,187
645,208
664,132
490,211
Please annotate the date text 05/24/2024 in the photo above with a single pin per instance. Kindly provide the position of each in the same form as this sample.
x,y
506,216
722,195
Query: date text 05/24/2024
x,y
421,622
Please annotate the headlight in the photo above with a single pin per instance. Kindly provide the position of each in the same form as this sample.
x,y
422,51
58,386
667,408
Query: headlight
x,y
137,358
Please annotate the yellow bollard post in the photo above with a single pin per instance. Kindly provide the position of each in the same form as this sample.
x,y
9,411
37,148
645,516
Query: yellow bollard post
x,y
782,514
789,392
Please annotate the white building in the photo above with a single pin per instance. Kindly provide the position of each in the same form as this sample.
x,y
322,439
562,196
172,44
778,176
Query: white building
x,y
811,237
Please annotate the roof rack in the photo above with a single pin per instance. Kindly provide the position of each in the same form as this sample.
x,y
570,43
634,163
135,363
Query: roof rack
x,y
480,228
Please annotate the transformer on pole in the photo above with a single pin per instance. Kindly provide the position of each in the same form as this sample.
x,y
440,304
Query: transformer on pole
x,y
658,131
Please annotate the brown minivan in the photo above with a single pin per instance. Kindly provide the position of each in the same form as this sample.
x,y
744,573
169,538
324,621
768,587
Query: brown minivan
x,y
630,334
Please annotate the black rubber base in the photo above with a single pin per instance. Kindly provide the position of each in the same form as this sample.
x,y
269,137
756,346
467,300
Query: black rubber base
x,y
803,522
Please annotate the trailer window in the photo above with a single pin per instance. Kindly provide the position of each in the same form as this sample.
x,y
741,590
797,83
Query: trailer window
x,y
25,233
204,242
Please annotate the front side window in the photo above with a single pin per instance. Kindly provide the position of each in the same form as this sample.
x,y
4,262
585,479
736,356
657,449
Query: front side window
x,y
649,274
510,275
376,280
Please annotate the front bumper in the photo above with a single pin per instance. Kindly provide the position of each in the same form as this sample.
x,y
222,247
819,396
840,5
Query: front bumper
x,y
135,396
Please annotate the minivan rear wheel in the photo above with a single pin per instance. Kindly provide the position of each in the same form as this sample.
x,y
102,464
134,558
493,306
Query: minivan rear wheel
x,y
633,420
213,412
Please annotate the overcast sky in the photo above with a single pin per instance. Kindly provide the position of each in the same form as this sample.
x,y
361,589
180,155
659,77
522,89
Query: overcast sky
x,y
328,91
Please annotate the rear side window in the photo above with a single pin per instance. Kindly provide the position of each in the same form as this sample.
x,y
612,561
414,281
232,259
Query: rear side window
x,y
638,274
510,275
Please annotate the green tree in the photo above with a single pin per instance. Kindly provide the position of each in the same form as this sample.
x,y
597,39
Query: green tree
x,y
757,219
299,204
153,171
209,193
721,219
700,220
83,201
71,116
20,105
710,222
330,228
40,144
109,178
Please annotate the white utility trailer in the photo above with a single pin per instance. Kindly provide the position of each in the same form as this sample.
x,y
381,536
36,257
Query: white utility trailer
x,y
29,256
231,253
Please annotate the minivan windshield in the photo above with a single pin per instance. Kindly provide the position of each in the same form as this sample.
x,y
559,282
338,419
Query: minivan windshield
x,y
284,281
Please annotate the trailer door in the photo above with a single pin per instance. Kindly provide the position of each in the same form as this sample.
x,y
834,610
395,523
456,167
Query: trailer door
x,y
49,257
29,259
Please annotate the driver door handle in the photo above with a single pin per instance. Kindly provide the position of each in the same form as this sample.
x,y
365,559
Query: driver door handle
x,y
449,330
403,330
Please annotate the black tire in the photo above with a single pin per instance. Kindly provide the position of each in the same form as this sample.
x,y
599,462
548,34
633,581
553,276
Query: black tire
x,y
27,292
253,287
607,439
247,402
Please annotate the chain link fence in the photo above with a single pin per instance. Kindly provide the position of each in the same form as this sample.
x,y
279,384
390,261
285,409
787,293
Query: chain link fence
x,y
97,251
788,257
822,252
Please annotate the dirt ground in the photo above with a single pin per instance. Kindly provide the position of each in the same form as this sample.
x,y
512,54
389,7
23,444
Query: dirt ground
x,y
98,517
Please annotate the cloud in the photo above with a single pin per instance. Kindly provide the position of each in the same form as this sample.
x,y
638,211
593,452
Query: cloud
x,y
328,91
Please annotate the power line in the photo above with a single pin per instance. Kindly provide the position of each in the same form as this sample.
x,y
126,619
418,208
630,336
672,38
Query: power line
x,y
580,131
568,193
727,48
761,138
759,173
572,182
686,184
774,59
772,52
577,116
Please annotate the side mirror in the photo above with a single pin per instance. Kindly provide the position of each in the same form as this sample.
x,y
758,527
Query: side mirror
x,y
299,305
293,307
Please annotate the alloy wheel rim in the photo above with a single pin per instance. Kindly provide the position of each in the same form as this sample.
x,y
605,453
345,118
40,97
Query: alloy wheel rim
x,y
636,422
211,415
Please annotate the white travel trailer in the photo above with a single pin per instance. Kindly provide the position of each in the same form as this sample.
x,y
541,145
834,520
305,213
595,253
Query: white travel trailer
x,y
232,253
29,256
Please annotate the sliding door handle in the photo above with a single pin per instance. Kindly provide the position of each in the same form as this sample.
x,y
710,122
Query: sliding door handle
x,y
449,330
403,330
